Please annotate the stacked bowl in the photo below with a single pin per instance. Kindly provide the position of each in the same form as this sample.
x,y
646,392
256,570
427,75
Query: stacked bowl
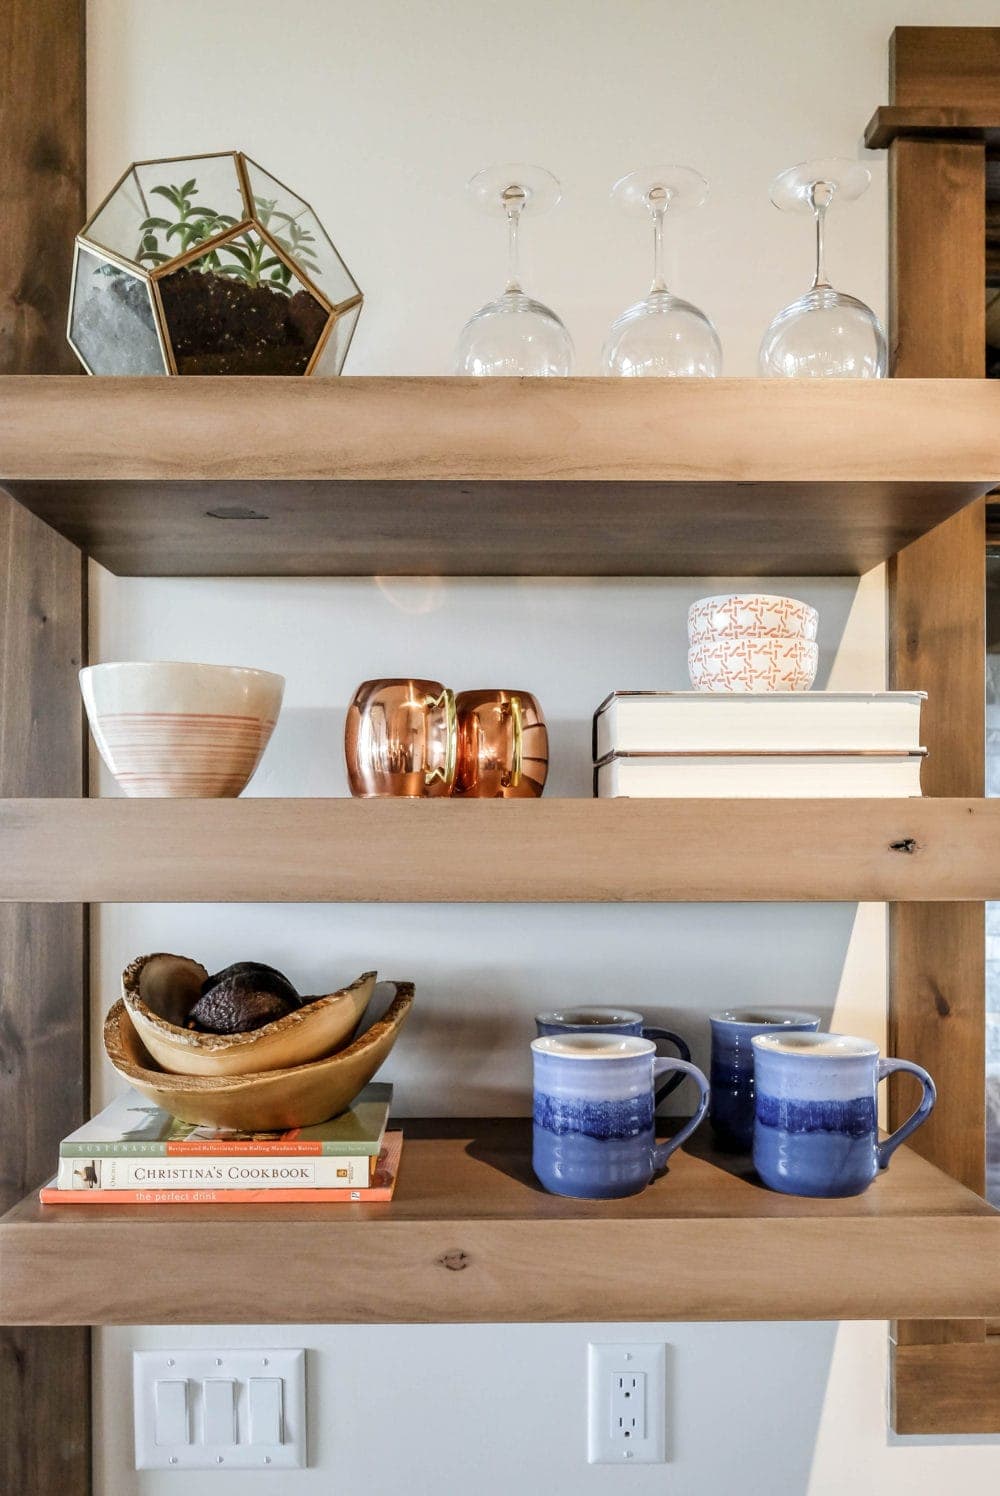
x,y
294,1071
752,641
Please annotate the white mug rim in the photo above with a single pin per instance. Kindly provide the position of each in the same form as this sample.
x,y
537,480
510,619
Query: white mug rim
x,y
593,1047
817,1046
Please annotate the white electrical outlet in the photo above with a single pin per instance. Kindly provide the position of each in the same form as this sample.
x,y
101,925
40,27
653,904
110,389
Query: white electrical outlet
x,y
627,1404
220,1409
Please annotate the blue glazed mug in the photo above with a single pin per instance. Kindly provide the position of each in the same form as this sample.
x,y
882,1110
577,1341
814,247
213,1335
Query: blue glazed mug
x,y
613,1021
594,1134
732,1067
816,1124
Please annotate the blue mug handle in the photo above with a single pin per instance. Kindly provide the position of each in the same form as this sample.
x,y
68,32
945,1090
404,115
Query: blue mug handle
x,y
675,1039
662,1151
884,1151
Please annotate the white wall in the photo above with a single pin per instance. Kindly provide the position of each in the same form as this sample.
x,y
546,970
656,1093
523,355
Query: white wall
x,y
378,113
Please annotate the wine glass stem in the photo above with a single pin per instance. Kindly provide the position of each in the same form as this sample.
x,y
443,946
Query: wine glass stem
x,y
820,279
659,282
513,248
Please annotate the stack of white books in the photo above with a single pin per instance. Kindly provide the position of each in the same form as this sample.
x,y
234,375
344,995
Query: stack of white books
x,y
693,744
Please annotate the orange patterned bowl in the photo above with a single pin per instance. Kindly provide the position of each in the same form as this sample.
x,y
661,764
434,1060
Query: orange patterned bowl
x,y
737,614
177,729
753,662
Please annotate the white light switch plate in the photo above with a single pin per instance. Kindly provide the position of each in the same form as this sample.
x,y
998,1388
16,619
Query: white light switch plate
x,y
228,1424
627,1404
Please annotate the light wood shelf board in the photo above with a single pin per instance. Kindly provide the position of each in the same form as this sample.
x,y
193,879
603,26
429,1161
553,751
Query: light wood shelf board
x,y
493,851
361,477
472,1237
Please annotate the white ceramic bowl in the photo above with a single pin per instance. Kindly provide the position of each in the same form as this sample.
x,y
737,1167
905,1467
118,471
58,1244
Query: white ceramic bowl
x,y
738,613
166,728
754,662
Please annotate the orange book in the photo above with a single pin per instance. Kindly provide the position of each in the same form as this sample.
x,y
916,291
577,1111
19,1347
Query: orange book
x,y
382,1189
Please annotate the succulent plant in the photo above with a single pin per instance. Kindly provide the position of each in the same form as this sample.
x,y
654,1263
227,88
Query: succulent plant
x,y
248,258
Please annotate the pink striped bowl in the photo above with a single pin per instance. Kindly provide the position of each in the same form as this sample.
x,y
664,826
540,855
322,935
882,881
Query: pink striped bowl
x,y
175,729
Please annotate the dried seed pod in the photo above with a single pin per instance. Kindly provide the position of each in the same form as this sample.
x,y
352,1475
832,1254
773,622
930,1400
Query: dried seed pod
x,y
243,997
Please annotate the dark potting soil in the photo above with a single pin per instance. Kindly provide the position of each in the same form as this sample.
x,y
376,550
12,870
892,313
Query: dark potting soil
x,y
222,326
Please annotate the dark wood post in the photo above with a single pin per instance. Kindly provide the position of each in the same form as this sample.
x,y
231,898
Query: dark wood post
x,y
45,1399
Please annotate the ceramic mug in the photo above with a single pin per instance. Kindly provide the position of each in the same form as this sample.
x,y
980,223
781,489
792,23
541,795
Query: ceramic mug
x,y
613,1021
816,1124
732,1067
401,738
594,1135
503,745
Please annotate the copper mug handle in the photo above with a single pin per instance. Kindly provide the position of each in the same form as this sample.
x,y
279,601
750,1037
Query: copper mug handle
x,y
517,745
447,774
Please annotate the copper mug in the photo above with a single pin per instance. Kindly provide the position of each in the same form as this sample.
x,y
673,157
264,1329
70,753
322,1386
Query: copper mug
x,y
503,745
401,738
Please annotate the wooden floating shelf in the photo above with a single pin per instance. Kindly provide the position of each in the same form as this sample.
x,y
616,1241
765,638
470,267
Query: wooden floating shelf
x,y
472,1237
556,477
931,122
486,851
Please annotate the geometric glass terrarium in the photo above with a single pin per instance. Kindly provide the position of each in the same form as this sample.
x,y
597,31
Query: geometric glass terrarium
x,y
209,265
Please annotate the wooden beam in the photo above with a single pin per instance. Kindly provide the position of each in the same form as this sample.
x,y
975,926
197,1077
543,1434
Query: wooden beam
x,y
500,851
958,66
45,1402
44,1376
946,1389
937,257
470,1237
42,141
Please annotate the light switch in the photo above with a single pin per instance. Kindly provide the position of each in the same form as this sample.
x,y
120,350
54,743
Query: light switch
x,y
219,1411
202,1407
265,1410
171,1403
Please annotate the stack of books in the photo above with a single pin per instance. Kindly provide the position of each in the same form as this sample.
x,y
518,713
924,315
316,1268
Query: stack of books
x,y
652,744
134,1153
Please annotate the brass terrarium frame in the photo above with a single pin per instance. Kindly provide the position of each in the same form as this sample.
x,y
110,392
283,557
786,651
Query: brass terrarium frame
x,y
249,222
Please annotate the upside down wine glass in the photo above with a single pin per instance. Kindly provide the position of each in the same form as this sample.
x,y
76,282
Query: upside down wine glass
x,y
661,335
826,333
514,334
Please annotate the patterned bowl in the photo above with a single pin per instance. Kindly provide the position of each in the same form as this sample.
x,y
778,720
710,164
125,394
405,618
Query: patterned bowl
x,y
754,662
735,614
267,1100
195,731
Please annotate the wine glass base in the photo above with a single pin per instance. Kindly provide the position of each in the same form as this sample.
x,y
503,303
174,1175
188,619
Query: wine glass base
x,y
793,190
488,187
684,189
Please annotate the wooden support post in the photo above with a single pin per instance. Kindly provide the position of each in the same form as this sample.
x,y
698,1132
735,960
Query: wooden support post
x,y
45,1402
937,257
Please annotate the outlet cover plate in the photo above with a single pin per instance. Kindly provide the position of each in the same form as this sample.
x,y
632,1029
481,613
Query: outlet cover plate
x,y
195,1367
641,1370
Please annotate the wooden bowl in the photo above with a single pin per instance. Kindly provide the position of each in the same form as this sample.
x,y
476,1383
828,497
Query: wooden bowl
x,y
271,1101
160,990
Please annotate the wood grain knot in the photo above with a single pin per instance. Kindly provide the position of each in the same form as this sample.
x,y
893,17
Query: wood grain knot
x,y
941,1003
454,1261
907,845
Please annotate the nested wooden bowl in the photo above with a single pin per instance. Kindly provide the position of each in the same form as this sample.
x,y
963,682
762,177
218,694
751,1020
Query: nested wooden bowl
x,y
267,1101
160,990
